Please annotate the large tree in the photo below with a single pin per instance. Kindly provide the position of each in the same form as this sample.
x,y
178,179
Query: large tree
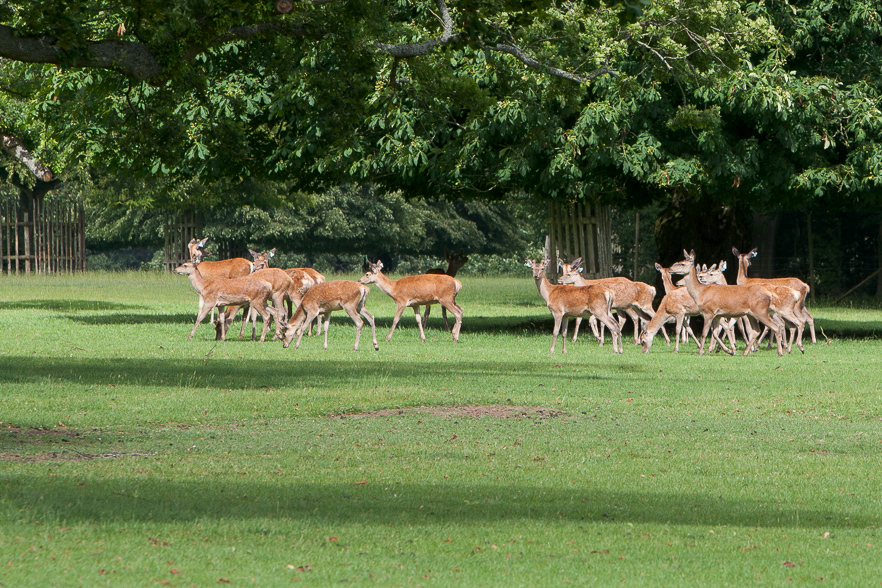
x,y
473,98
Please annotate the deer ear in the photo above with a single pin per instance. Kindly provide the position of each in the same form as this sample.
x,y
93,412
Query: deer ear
x,y
254,253
379,265
201,243
273,252
723,266
735,252
545,263
658,267
580,269
753,252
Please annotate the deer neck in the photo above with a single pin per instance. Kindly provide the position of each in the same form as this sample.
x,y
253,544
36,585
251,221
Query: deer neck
x,y
667,281
196,280
385,284
742,270
693,286
543,285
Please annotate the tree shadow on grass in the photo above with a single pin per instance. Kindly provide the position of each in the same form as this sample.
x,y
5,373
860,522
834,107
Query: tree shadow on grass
x,y
125,500
237,374
133,319
69,305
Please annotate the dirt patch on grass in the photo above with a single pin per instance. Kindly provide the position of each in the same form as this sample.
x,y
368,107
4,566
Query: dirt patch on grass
x,y
499,411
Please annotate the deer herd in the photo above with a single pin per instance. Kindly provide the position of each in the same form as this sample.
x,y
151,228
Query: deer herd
x,y
777,306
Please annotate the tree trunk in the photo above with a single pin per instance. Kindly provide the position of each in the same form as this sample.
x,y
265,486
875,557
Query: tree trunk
x,y
879,261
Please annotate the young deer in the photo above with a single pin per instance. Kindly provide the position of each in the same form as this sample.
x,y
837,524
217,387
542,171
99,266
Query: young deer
x,y
454,264
416,291
237,267
632,298
676,305
281,284
323,299
578,301
227,291
727,301
795,283
785,304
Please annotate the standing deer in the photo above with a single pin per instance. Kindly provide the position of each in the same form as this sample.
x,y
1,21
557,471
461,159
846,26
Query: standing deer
x,y
227,291
795,283
578,301
237,267
454,264
281,284
323,299
416,291
727,301
785,303
632,298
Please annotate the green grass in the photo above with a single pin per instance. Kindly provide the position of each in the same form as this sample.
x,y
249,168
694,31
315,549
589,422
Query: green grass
x,y
130,456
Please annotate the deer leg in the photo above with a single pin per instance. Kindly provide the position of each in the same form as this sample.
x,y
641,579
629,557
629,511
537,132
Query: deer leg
x,y
592,322
358,325
265,312
576,325
328,327
679,328
555,330
419,322
395,320
199,318
615,332
370,320
444,316
456,310
302,329
808,319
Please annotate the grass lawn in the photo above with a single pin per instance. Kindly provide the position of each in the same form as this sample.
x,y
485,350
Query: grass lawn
x,y
130,456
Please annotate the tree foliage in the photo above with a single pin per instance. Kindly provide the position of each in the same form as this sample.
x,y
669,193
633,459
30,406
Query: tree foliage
x,y
742,103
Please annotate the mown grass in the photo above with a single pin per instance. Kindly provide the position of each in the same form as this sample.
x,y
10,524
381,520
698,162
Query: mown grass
x,y
130,456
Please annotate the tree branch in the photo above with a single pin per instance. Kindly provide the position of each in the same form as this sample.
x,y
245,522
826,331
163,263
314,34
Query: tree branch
x,y
415,49
14,147
530,62
134,59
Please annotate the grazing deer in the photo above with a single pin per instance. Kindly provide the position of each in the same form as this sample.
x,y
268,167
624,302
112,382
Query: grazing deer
x,y
454,264
323,299
416,291
727,301
228,291
281,284
785,304
632,298
578,301
795,283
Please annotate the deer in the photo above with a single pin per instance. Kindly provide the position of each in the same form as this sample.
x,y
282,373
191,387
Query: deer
x,y
678,305
237,267
786,304
281,284
304,279
227,291
454,264
727,301
416,291
795,283
632,298
323,299
569,301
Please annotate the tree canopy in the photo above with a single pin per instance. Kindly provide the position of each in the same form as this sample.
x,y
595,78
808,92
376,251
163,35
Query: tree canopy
x,y
743,102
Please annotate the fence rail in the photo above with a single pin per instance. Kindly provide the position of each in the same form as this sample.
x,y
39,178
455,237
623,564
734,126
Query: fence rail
x,y
44,238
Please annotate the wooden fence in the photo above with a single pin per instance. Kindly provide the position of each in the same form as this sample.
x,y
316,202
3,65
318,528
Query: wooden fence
x,y
44,238
578,229
180,228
